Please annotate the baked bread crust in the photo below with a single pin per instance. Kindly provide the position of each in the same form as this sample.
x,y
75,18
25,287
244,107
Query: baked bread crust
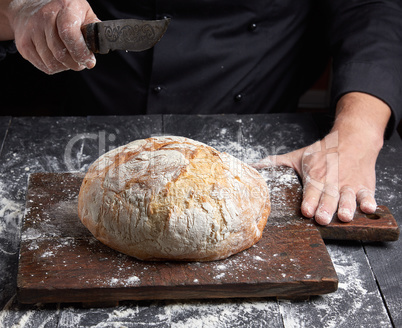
x,y
173,198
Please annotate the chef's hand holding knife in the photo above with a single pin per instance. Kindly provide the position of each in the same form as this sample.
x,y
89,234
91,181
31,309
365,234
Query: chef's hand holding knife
x,y
48,32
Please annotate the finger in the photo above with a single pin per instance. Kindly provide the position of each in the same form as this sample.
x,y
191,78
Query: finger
x,y
312,188
327,205
52,64
285,159
28,51
69,29
59,50
365,198
265,162
47,43
275,160
290,159
312,191
330,194
347,204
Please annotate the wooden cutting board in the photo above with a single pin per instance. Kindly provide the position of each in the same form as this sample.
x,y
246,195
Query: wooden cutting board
x,y
60,261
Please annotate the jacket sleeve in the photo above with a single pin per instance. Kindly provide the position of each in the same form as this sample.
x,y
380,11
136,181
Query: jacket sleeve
x,y
7,47
366,45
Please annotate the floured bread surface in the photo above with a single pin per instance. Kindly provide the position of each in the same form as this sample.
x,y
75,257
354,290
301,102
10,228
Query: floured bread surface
x,y
173,198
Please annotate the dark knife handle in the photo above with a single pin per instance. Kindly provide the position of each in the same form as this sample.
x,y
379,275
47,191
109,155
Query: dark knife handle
x,y
90,33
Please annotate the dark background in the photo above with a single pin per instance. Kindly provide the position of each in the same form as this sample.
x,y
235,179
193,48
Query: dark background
x,y
26,91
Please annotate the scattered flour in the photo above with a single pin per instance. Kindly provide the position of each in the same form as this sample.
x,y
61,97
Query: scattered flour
x,y
223,313
221,267
351,300
247,154
258,258
114,281
11,213
219,276
48,254
133,279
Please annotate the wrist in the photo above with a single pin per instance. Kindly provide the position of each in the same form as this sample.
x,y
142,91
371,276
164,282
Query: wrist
x,y
361,119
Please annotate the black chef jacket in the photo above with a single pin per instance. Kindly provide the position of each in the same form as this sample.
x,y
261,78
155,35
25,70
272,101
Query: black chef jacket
x,y
254,56
216,57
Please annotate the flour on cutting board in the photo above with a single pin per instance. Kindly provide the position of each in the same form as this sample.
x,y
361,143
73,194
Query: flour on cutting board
x,y
209,313
47,226
333,310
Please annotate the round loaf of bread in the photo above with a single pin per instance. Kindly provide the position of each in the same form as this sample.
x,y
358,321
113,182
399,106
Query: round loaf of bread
x,y
173,198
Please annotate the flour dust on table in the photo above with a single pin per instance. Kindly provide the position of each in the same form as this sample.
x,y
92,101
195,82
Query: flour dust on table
x,y
238,148
356,297
11,213
353,305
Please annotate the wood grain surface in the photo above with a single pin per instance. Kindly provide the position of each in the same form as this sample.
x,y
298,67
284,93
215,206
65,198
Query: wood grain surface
x,y
61,262
379,226
369,292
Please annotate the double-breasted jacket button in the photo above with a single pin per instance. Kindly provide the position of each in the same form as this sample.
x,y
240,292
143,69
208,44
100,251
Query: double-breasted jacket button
x,y
252,27
238,97
157,89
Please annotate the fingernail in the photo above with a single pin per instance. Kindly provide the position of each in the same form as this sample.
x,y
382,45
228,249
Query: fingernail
x,y
309,210
368,206
323,218
346,214
91,63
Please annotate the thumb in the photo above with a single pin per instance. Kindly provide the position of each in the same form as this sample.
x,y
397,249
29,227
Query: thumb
x,y
90,17
292,159
274,160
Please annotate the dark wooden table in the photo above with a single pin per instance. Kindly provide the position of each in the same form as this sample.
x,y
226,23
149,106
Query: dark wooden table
x,y
370,274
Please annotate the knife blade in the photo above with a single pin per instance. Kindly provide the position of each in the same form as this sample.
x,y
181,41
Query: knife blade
x,y
124,34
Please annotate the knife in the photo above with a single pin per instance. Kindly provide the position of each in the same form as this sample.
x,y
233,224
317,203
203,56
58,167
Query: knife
x,y
123,34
